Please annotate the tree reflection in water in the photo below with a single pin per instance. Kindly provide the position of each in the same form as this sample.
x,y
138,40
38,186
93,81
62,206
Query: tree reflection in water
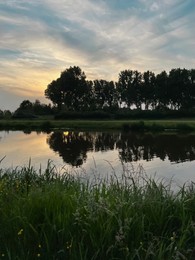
x,y
73,146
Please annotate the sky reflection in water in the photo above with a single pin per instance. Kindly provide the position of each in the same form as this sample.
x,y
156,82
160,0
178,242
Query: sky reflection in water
x,y
101,153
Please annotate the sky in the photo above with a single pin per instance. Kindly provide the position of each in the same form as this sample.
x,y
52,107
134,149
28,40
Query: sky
x,y
41,38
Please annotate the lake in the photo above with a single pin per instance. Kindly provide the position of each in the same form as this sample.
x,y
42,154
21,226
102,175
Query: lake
x,y
98,154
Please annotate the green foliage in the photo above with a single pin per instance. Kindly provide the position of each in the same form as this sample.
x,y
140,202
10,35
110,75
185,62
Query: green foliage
x,y
53,215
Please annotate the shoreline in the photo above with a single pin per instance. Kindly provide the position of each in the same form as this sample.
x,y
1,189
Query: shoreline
x,y
171,125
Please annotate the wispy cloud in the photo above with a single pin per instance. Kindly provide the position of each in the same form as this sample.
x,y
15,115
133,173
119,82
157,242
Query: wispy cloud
x,y
39,39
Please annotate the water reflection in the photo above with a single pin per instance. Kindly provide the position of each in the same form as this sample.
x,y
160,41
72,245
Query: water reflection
x,y
131,147
71,146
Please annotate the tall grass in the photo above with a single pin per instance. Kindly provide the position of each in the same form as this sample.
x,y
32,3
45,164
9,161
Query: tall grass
x,y
47,215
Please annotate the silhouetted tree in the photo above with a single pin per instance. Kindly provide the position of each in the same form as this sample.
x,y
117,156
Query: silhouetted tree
x,y
1,114
162,90
129,88
70,90
54,93
148,95
7,114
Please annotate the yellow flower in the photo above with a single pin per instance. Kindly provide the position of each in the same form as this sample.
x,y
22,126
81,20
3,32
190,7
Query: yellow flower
x,y
20,232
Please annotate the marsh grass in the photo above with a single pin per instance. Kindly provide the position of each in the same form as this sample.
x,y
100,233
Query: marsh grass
x,y
47,215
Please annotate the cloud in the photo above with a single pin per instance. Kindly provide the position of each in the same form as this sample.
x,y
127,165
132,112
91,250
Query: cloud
x,y
154,7
39,39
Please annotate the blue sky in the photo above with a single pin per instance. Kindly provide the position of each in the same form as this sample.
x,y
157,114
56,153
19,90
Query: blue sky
x,y
41,38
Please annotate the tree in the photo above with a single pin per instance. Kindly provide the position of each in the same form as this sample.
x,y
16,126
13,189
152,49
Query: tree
x,y
54,93
110,94
26,105
136,89
41,109
124,83
179,88
69,90
192,87
129,88
1,113
25,110
7,114
148,96
161,90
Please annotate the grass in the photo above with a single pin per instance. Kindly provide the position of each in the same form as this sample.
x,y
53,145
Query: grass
x,y
47,215
49,124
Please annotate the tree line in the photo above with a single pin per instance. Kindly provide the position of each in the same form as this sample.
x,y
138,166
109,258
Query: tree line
x,y
73,92
73,95
28,109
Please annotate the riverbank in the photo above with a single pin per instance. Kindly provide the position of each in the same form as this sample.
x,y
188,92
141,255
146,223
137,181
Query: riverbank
x,y
50,216
127,125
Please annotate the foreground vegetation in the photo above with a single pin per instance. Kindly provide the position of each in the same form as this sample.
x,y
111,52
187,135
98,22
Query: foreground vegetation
x,y
48,215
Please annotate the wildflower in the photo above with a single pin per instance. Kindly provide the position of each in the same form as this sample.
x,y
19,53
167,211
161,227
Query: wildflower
x,y
119,237
68,245
2,255
38,255
173,237
20,232
39,246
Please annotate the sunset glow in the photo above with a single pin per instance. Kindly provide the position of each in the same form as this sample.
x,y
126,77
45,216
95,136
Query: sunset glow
x,y
39,39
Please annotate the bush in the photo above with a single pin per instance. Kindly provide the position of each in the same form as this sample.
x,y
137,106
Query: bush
x,y
23,115
84,115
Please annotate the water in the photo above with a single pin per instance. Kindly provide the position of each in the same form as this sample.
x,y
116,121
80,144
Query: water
x,y
167,156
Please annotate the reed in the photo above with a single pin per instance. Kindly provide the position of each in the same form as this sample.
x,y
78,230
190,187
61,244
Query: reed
x,y
54,215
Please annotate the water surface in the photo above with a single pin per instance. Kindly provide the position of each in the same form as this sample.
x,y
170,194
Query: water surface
x,y
100,153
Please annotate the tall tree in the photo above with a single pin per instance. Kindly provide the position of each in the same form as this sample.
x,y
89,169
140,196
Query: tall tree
x,y
179,88
98,93
192,87
161,90
148,96
104,94
111,96
54,93
124,87
129,87
69,90
74,87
